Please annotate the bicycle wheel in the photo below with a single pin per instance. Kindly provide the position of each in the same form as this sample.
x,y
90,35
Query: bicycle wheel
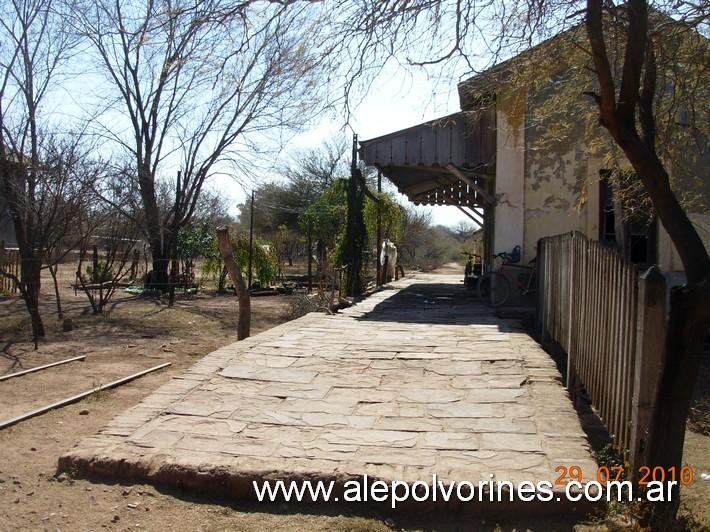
x,y
494,289
467,273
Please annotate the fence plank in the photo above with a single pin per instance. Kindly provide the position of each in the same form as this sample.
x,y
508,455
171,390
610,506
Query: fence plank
x,y
589,297
10,263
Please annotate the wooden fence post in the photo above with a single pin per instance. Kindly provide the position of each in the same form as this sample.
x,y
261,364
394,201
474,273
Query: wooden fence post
x,y
650,343
3,284
541,281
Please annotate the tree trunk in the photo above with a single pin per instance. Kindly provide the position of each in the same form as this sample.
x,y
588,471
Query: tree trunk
x,y
225,249
689,312
684,348
53,272
173,282
160,280
159,240
221,281
95,265
31,270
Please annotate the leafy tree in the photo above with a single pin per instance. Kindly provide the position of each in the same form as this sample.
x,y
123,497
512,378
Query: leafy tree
x,y
325,219
200,241
278,205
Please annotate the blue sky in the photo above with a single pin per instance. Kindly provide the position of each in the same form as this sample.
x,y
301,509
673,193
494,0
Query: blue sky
x,y
399,98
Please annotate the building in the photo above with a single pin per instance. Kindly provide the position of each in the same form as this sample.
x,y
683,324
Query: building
x,y
502,160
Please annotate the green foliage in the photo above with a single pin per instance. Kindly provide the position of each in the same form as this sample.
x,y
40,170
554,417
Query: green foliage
x,y
326,215
392,216
609,456
102,274
265,262
200,241
325,218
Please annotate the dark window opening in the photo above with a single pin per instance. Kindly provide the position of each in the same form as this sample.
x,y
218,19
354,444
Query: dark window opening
x,y
635,238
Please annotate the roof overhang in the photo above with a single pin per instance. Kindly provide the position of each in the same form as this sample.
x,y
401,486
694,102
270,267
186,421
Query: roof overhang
x,y
447,161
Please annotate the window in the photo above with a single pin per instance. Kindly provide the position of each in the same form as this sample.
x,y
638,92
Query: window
x,y
635,238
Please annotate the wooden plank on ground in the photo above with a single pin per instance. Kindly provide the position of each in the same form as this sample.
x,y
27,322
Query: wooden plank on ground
x,y
39,368
78,397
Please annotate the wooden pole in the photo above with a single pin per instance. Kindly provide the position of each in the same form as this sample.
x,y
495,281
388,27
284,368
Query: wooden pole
x,y
378,273
251,237
355,227
39,368
310,259
225,249
77,397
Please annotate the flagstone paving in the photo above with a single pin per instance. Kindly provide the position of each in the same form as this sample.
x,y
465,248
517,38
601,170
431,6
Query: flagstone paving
x,y
415,380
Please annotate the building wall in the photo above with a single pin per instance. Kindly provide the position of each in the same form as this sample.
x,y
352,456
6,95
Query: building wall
x,y
668,258
539,191
510,167
543,190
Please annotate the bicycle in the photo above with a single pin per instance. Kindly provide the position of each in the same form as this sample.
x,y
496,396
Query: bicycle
x,y
494,287
472,271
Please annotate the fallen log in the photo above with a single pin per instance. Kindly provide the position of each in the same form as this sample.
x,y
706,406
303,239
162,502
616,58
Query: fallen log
x,y
38,368
77,397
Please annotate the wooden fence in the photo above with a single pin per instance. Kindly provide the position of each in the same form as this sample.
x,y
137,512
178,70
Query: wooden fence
x,y
10,263
611,323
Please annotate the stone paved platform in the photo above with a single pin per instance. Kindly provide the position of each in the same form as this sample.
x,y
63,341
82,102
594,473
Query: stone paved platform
x,y
415,380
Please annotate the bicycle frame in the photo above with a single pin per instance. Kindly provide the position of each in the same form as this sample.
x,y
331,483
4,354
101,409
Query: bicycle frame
x,y
525,288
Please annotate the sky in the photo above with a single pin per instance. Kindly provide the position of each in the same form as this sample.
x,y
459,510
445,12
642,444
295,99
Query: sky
x,y
399,99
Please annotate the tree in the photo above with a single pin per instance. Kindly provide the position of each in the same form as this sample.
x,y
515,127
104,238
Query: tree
x,y
416,226
650,75
324,219
39,174
626,110
280,205
391,217
198,84
66,205
111,248
314,170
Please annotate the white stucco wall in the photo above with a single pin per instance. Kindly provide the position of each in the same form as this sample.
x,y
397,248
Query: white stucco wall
x,y
543,190
539,191
509,182
554,184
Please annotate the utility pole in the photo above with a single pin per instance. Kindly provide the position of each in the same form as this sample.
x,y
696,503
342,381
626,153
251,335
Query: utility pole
x,y
309,247
378,274
251,238
355,227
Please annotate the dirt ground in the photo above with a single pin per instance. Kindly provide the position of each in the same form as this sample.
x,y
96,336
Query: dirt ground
x,y
134,334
